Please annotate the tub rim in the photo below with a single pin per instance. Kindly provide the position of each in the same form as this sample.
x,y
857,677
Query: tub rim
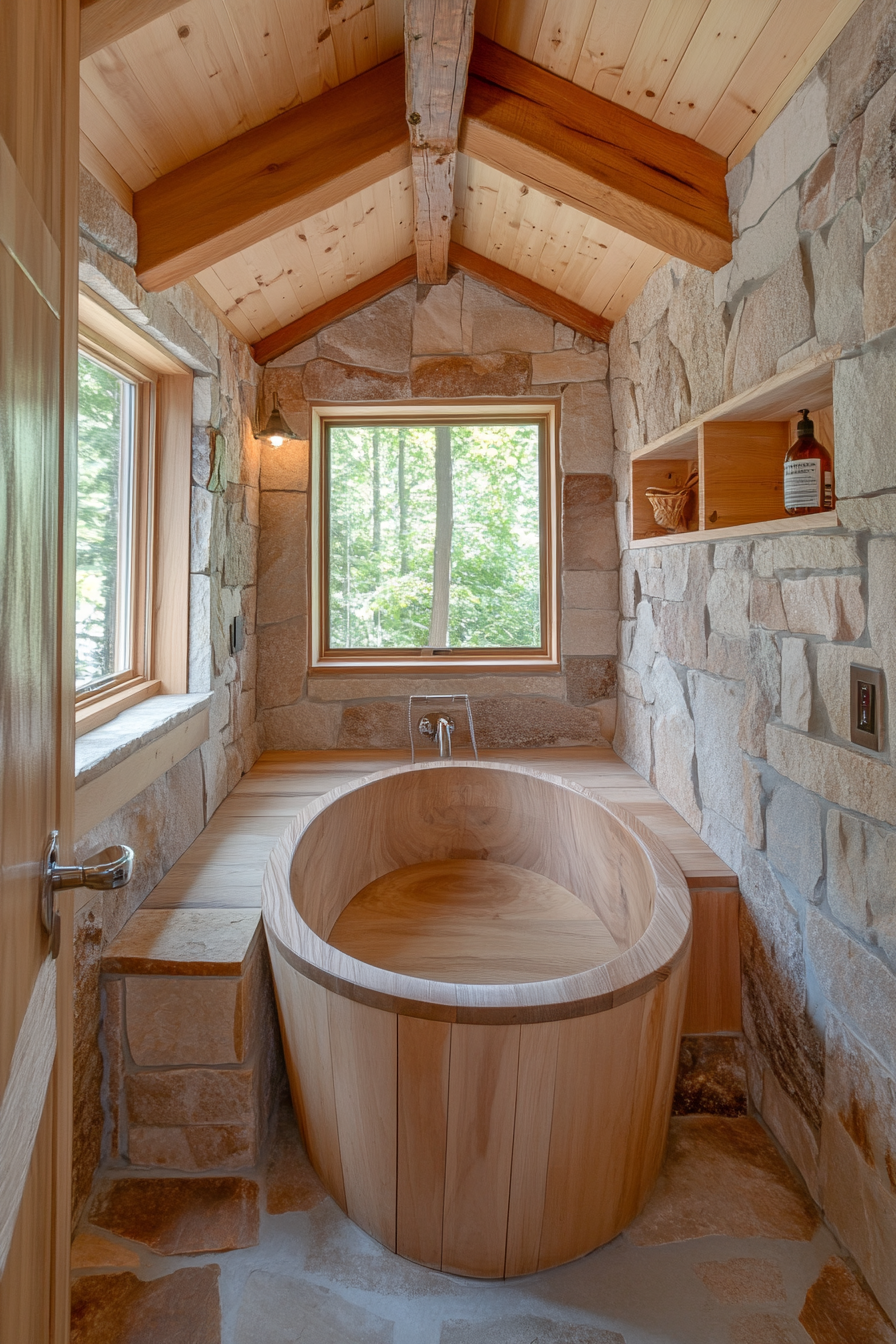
x,y
634,972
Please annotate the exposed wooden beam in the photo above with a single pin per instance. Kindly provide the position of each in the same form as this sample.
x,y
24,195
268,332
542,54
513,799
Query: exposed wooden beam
x,y
105,21
526,291
279,173
438,35
611,163
471,263
269,347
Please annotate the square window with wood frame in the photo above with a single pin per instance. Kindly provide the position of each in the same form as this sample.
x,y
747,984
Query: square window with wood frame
x,y
436,537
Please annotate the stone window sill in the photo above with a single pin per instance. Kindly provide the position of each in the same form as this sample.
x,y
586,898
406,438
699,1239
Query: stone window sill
x,y
121,758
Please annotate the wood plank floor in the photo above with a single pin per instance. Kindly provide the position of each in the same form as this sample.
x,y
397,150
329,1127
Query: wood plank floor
x,y
223,867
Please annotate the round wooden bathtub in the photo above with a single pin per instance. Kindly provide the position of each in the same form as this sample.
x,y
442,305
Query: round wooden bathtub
x,y
486,1129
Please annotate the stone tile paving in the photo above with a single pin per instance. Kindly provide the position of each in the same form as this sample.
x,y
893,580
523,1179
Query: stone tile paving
x,y
729,1250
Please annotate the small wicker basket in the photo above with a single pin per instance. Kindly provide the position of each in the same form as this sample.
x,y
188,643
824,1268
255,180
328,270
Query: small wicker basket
x,y
669,505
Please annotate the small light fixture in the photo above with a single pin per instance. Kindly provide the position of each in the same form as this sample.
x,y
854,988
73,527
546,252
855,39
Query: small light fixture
x,y
276,432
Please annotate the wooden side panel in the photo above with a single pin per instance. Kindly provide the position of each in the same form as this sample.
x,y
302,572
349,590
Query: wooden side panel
x,y
742,471
598,1066
306,1035
423,1055
714,998
171,587
665,474
481,1105
531,1146
364,1046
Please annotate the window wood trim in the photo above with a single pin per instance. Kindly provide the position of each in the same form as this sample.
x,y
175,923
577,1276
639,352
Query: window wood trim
x,y
324,661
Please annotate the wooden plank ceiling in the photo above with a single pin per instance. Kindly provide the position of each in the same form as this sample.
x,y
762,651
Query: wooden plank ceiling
x,y
203,73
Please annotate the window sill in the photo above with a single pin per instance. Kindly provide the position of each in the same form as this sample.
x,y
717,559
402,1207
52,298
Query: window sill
x,y
97,712
121,758
426,666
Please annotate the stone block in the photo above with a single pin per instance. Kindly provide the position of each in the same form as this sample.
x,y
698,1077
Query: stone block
x,y
790,1127
861,885
876,163
821,552
726,657
376,724
860,59
766,607
760,250
184,1020
377,337
754,822
882,605
181,1308
697,330
330,688
437,318
282,550
507,722
880,291
201,510
717,707
832,662
588,528
563,337
633,740
639,646
667,393
588,632
104,220
184,1216
193,1147
323,1316
571,366
591,589
762,691
793,837
627,427
856,982
629,682
589,679
842,776
838,264
839,1309
796,685
877,514
681,632
864,414
673,744
282,663
776,317
737,182
727,600
647,309
687,571
241,539
831,606
92,1251
325,380
505,325
711,1076
795,140
200,653
468,376
299,355
305,726
624,361
586,429
743,1279
732,555
818,199
285,468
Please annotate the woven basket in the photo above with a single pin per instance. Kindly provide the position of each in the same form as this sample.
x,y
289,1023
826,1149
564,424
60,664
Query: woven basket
x,y
669,505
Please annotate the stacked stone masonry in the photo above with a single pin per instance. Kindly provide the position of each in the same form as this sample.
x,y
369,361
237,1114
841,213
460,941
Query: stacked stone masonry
x,y
462,340
734,657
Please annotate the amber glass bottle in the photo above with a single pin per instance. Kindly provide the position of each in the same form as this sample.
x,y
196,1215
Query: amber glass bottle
x,y
808,473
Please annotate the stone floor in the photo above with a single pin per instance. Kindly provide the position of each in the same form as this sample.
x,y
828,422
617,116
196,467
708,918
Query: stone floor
x,y
729,1250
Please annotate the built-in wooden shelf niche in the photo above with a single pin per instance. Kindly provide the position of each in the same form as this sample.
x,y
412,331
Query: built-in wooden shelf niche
x,y
738,449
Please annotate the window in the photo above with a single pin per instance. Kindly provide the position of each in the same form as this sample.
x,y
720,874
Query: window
x,y
133,517
435,536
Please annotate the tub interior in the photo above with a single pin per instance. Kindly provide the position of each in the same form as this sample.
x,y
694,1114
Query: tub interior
x,y
472,874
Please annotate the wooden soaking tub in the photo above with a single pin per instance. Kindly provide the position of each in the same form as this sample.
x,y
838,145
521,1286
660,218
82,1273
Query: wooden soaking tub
x,y
480,973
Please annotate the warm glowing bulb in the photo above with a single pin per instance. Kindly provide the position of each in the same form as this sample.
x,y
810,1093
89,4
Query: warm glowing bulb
x,y
276,440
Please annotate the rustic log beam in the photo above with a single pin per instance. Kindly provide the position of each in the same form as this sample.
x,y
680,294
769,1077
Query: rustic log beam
x,y
352,301
105,21
304,161
613,164
526,291
438,36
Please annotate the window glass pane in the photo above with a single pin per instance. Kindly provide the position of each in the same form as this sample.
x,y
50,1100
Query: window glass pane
x,y
106,408
434,536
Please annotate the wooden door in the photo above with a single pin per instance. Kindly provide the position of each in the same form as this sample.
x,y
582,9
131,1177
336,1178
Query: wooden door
x,y
38,330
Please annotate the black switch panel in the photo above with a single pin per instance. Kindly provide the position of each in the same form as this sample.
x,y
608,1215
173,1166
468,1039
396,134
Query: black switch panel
x,y
237,634
866,706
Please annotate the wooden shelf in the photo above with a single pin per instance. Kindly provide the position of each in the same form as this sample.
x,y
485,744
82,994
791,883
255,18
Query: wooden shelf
x,y
739,449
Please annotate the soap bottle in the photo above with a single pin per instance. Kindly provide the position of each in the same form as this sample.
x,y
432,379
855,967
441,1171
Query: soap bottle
x,y
808,473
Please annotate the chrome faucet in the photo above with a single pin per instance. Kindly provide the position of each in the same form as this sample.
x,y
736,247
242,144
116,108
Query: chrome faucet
x,y
440,731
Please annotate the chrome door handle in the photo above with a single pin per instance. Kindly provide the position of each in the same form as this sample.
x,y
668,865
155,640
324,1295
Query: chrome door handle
x,y
111,868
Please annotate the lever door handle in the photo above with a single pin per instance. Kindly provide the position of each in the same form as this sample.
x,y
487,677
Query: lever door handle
x,y
111,868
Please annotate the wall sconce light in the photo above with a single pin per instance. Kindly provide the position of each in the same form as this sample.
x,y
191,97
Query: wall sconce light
x,y
276,432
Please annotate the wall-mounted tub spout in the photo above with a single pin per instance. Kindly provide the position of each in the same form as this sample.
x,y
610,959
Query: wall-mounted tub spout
x,y
440,731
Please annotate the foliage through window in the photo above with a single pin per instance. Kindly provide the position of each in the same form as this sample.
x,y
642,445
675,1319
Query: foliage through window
x,y
434,535
107,408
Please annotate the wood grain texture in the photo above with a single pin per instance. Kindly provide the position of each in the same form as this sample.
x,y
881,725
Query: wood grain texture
x,y
105,21
171,552
274,175
438,36
531,1146
714,997
742,471
527,291
352,301
644,179
423,1059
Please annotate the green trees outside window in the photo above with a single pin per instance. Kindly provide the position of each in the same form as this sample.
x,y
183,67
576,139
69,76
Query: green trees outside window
x,y
106,411
434,535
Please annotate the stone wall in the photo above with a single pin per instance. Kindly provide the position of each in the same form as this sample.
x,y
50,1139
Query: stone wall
x,y
734,657
163,820
459,340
